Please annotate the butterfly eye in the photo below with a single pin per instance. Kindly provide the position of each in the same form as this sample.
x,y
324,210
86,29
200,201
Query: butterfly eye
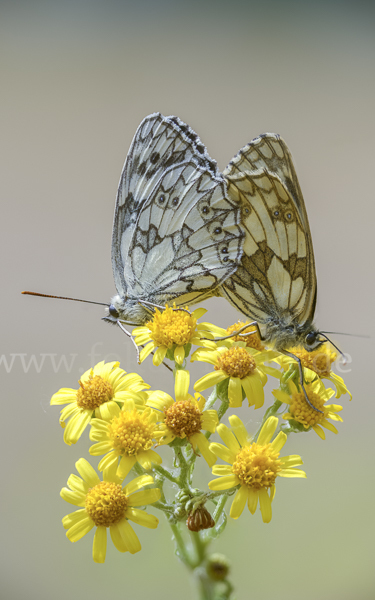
x,y
311,338
276,213
175,201
218,230
113,311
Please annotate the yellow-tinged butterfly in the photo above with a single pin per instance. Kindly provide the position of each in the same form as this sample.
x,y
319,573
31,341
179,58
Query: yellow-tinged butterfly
x,y
275,283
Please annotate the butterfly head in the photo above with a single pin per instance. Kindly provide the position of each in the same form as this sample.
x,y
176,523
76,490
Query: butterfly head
x,y
312,340
126,310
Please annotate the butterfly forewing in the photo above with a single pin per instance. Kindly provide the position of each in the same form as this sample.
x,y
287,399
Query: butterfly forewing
x,y
269,151
176,234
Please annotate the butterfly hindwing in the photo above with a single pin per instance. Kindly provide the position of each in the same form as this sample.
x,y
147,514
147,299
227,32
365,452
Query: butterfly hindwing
x,y
176,234
187,240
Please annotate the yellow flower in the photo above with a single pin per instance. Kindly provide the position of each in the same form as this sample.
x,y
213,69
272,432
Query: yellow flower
x,y
128,435
106,504
253,466
243,366
301,412
184,417
173,330
318,362
100,391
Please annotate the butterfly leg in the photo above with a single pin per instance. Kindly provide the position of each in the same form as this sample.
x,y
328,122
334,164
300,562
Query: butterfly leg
x,y
150,304
300,368
130,336
234,333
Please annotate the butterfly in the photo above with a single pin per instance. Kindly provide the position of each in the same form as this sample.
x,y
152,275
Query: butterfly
x,y
176,234
275,284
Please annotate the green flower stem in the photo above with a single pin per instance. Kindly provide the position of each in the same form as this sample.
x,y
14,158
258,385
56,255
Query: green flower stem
x,y
223,408
165,473
181,549
185,475
163,506
211,400
199,547
220,507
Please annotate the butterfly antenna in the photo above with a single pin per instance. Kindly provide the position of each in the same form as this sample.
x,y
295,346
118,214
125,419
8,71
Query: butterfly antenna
x,y
350,334
334,345
64,298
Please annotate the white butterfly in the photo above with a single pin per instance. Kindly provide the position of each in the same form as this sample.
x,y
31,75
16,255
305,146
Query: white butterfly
x,y
176,234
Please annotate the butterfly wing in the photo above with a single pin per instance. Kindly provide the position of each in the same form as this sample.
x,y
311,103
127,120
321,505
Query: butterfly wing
x,y
176,234
276,278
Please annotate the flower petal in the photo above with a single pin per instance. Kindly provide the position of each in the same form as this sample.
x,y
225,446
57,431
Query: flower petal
x,y
129,536
144,497
223,483
87,472
75,517
147,457
292,473
228,438
136,484
64,396
209,380
80,529
142,518
252,500
221,470
267,431
159,355
99,547
279,441
265,505
293,460
181,386
146,351
204,447
235,392
117,538
239,430
239,502
179,354
125,466
223,452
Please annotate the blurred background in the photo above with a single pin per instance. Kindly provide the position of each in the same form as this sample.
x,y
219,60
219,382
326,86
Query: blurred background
x,y
77,79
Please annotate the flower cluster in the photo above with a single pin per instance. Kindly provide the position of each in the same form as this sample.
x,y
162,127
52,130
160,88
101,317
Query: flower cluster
x,y
130,423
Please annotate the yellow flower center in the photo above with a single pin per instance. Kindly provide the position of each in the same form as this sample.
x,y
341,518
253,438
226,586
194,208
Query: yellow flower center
x,y
236,362
257,466
106,504
172,327
183,418
319,360
94,392
303,413
252,341
131,432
